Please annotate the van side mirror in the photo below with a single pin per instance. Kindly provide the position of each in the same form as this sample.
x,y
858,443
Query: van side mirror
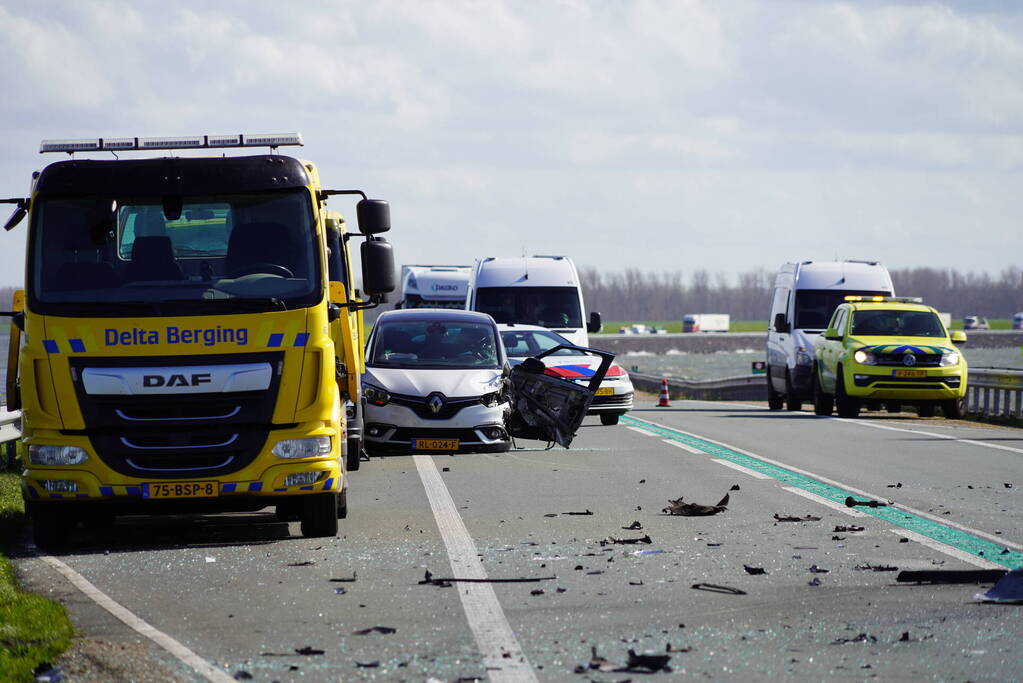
x,y
594,325
958,337
374,216
377,267
780,323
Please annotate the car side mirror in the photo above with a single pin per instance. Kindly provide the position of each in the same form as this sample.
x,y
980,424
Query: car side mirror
x,y
780,323
594,325
831,334
958,337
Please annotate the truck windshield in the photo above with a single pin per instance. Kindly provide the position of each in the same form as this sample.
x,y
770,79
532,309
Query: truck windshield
x,y
416,301
173,256
897,323
544,306
434,344
814,307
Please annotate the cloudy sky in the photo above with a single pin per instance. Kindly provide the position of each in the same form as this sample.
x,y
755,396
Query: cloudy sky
x,y
722,135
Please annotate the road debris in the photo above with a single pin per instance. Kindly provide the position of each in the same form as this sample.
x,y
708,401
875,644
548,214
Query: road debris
x,y
814,569
896,485
536,591
950,576
755,571
815,581
1007,591
876,567
48,673
635,526
649,551
647,662
367,665
851,502
715,588
430,579
386,630
842,528
861,638
346,579
677,507
340,591
627,541
239,675
305,563
735,487
587,511
551,514
790,518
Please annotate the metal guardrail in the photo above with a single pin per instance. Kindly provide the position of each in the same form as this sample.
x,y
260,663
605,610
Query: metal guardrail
x,y
989,391
10,430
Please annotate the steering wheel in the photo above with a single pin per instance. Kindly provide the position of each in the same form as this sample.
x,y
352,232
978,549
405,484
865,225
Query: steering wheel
x,y
261,267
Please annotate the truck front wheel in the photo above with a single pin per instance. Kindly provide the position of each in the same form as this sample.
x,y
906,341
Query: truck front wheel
x,y
319,515
51,527
354,454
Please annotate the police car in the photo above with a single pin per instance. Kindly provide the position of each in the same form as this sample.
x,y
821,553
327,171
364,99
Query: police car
x,y
888,351
615,393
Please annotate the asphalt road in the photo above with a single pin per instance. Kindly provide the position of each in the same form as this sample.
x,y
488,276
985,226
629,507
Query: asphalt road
x,y
244,593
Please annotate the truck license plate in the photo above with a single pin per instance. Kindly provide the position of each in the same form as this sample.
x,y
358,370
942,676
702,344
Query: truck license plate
x,y
435,444
181,489
605,391
910,373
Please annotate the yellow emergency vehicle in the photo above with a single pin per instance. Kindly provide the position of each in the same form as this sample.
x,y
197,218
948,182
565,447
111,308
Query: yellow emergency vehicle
x,y
888,351
188,333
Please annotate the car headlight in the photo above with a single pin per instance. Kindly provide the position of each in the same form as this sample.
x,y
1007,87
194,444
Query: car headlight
x,y
949,359
56,455
375,395
865,357
309,447
803,357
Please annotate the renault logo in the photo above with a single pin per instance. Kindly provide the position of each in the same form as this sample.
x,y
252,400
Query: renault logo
x,y
436,403
909,359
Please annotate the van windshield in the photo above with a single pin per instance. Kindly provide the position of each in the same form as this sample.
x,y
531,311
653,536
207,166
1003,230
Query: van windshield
x,y
814,307
544,306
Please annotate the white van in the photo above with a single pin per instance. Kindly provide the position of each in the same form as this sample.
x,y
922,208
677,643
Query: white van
x,y
434,286
806,294
537,290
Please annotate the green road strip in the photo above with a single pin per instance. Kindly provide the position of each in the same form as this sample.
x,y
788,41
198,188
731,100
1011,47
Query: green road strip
x,y
955,538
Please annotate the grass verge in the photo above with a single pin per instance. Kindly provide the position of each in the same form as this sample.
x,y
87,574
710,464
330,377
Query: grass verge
x,y
33,629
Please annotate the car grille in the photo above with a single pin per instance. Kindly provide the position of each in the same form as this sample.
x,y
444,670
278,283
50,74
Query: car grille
x,y
179,435
923,360
421,406
883,382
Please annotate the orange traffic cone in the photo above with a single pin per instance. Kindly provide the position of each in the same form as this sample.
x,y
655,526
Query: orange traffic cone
x,y
663,401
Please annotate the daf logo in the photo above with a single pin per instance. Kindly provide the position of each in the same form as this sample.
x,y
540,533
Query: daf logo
x,y
909,359
176,380
436,403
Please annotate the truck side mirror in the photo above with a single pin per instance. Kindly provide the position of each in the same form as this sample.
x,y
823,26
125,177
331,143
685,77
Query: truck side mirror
x,y
780,323
377,267
16,217
594,325
374,216
958,337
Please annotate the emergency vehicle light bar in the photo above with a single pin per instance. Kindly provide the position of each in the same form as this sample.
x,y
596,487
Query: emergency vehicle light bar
x,y
181,142
887,299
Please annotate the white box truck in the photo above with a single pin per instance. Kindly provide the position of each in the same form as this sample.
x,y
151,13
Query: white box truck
x,y
705,322
433,286
806,295
536,290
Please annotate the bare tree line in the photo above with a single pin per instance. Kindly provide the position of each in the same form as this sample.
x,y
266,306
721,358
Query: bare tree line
x,y
633,294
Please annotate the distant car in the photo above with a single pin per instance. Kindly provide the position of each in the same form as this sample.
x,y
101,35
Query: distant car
x,y
975,322
434,381
1017,321
615,394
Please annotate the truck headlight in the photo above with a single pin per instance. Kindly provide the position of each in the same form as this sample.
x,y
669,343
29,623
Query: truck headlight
x,y
375,395
310,447
56,455
865,357
949,359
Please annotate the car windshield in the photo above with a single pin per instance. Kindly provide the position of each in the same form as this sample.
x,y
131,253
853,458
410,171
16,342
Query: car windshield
x,y
814,307
897,323
174,255
543,306
433,344
523,343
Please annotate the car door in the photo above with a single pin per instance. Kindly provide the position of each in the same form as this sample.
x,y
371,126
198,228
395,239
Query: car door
x,y
831,349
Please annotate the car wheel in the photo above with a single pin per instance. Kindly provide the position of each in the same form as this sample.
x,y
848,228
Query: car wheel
x,y
354,454
925,410
847,406
791,402
319,515
954,408
608,419
775,401
823,404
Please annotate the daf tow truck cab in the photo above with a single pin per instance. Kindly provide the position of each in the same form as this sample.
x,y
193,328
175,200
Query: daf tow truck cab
x,y
188,341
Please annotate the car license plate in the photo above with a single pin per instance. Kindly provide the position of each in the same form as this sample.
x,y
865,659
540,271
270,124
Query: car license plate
x,y
181,489
910,373
605,391
435,444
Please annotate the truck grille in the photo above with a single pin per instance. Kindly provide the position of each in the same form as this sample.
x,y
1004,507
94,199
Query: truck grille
x,y
180,435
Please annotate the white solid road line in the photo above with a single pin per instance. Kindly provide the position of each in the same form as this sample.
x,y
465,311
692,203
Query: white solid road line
x,y
501,652
744,470
202,667
946,437
824,501
676,444
947,549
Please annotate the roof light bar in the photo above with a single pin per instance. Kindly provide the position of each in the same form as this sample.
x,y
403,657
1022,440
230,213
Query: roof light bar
x,y
181,142
886,299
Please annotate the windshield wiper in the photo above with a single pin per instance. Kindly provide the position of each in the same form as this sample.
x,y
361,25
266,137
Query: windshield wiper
x,y
258,303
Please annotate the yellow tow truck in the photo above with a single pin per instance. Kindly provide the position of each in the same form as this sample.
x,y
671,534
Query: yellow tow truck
x,y
188,341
